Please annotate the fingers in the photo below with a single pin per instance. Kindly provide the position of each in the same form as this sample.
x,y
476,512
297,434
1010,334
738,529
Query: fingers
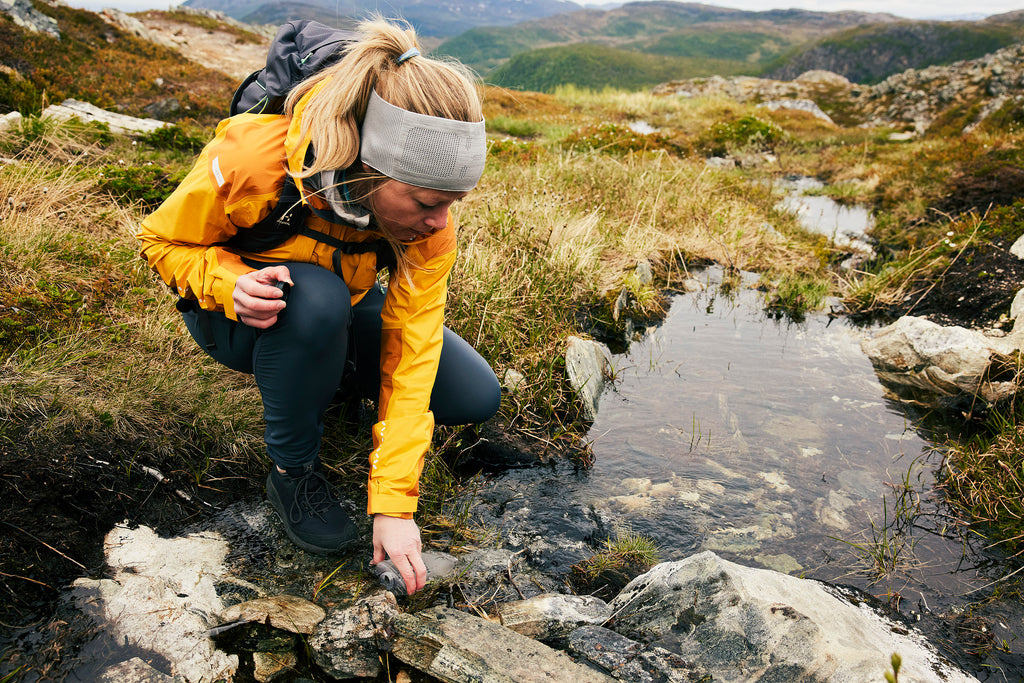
x,y
413,571
400,539
257,302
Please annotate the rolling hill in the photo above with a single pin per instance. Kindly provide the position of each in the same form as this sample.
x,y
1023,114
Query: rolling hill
x,y
635,44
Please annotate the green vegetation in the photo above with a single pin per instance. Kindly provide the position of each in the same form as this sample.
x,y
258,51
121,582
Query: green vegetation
x,y
868,54
38,69
592,66
620,560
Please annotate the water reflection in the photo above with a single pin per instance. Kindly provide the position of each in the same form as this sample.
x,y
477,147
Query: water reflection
x,y
771,443
846,226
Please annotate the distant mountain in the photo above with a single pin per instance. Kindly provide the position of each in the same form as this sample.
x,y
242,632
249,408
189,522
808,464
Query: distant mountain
x,y
670,29
592,66
870,54
700,40
429,17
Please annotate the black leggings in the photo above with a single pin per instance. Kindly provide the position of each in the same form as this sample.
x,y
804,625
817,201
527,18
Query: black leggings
x,y
299,362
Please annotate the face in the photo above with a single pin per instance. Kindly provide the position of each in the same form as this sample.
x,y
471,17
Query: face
x,y
408,212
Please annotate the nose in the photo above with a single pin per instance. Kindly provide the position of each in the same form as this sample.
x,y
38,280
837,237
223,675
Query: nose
x,y
437,217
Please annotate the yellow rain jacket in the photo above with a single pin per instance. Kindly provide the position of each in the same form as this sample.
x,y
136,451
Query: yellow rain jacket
x,y
235,183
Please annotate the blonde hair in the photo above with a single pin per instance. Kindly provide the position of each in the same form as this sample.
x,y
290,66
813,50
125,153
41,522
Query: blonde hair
x,y
423,85
332,118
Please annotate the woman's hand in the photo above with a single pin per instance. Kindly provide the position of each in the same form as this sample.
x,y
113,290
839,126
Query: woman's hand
x,y
257,301
400,539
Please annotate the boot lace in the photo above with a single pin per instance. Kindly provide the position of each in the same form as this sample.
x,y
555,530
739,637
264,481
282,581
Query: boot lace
x,y
314,496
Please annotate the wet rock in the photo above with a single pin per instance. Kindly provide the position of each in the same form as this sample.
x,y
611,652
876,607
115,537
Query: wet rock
x,y
271,666
586,364
490,576
161,597
551,617
745,624
135,671
941,361
347,643
628,660
85,112
285,612
455,646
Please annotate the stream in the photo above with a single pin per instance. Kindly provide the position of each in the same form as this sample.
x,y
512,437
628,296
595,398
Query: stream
x,y
773,444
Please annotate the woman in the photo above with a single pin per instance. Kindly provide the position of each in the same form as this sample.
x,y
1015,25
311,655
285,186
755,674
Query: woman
x,y
378,146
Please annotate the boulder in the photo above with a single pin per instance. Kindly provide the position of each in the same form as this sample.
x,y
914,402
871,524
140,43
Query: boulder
x,y
135,670
348,642
24,14
455,646
85,112
10,120
628,660
943,361
744,624
551,617
162,597
586,364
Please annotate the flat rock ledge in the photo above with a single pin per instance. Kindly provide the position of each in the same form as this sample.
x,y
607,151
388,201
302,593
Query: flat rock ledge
x,y
696,620
938,363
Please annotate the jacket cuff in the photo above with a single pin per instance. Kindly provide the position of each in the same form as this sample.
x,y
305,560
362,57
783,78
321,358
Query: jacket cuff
x,y
397,462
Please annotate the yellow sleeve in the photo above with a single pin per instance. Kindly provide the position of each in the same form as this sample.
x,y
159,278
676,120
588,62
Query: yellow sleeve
x,y
226,189
412,330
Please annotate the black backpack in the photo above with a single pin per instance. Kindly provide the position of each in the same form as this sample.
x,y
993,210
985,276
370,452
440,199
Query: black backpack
x,y
300,49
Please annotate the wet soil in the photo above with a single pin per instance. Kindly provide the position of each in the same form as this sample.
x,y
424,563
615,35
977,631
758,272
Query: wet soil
x,y
58,499
976,289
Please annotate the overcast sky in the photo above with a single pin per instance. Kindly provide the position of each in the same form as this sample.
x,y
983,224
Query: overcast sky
x,y
915,9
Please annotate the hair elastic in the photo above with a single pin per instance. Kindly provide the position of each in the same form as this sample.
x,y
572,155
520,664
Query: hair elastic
x,y
408,54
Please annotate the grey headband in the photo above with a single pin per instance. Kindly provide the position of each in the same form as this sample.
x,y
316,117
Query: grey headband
x,y
425,151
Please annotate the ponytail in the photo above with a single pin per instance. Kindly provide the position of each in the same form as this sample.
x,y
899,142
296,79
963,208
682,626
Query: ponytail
x,y
387,60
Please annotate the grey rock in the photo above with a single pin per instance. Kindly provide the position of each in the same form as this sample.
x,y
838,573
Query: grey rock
x,y
85,112
167,108
162,598
628,660
1017,249
10,120
347,643
455,646
25,15
799,104
943,361
551,617
586,363
644,272
285,612
135,670
746,624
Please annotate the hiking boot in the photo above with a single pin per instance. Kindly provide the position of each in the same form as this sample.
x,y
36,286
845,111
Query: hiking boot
x,y
310,509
